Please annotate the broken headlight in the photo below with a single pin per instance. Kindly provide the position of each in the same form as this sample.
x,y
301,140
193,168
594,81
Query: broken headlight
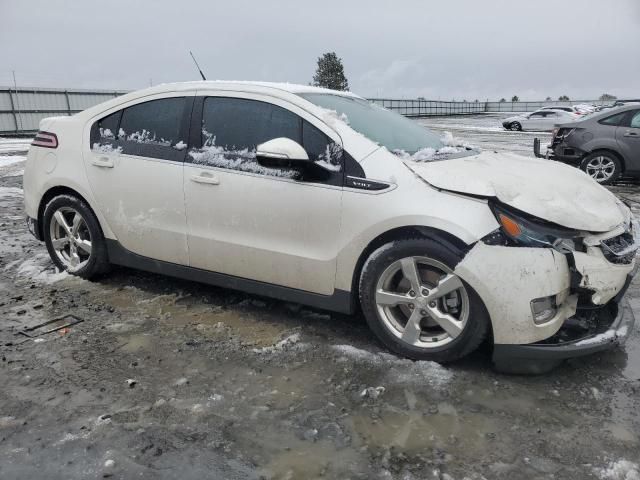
x,y
528,232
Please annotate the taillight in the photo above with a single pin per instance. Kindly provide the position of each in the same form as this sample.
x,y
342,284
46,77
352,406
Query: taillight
x,y
45,139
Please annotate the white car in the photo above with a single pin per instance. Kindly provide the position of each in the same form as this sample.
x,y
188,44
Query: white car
x,y
319,197
540,120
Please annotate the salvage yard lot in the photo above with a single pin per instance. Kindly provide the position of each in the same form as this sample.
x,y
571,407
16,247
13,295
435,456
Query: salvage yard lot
x,y
165,378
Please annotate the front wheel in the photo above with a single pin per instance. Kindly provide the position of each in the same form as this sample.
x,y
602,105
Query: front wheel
x,y
516,126
74,238
603,167
417,306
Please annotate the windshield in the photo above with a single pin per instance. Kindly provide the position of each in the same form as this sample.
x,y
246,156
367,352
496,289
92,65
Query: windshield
x,y
384,127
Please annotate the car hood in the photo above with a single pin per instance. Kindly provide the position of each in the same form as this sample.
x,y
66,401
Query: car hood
x,y
546,189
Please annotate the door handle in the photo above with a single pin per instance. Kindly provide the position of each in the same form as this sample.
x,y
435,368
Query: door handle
x,y
631,134
104,162
205,178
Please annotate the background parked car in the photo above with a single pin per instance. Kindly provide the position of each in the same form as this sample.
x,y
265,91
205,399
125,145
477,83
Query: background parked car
x,y
604,144
576,109
540,120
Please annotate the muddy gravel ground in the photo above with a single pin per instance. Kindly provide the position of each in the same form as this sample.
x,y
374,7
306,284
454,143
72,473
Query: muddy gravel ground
x,y
163,378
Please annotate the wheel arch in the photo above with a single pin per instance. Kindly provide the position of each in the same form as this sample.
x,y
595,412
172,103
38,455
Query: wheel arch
x,y
399,233
62,190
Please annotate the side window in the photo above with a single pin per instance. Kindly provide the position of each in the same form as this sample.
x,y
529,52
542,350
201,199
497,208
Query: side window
x,y
104,132
635,120
232,128
156,122
236,124
614,120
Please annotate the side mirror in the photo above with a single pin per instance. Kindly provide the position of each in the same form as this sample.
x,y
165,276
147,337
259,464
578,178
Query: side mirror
x,y
281,153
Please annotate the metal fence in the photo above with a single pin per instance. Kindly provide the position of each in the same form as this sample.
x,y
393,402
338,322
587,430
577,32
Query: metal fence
x,y
433,108
22,109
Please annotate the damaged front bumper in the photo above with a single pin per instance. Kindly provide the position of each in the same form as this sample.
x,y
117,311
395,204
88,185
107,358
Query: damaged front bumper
x,y
589,331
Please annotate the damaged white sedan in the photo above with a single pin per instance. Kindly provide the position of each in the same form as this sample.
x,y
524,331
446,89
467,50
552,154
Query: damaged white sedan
x,y
319,197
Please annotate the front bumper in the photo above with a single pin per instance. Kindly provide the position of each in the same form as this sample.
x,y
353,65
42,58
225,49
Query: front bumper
x,y
608,327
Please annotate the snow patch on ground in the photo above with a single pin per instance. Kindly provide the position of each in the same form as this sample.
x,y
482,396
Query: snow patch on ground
x,y
39,269
402,370
619,470
290,343
11,192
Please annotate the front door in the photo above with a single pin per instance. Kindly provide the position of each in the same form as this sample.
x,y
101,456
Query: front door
x,y
279,226
134,164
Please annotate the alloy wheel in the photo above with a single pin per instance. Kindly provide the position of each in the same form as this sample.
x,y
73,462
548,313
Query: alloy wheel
x,y
422,302
601,168
70,238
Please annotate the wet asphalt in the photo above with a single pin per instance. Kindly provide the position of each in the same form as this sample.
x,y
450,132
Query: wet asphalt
x,y
163,378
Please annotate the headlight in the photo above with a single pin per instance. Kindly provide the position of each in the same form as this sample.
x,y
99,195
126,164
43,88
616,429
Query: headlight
x,y
525,232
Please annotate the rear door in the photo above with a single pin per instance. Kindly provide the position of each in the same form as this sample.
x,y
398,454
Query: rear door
x,y
272,225
628,138
134,164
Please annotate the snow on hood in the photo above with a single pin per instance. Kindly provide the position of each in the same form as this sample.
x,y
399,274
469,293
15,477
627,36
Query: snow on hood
x,y
549,190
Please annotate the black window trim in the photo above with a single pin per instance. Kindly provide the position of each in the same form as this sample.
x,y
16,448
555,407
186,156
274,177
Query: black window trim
x,y
349,165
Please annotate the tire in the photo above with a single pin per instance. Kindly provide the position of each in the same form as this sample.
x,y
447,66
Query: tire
x,y
603,166
86,254
427,340
516,126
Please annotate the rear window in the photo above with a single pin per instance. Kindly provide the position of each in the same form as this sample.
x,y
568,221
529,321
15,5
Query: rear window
x,y
614,120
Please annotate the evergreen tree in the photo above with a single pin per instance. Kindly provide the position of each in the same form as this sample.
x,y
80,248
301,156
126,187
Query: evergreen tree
x,y
330,73
563,98
515,98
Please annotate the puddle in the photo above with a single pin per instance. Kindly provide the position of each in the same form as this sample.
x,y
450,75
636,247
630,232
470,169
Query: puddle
x,y
413,431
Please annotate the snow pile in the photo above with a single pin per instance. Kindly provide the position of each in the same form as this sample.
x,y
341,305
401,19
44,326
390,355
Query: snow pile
x,y
620,470
105,148
106,133
451,146
331,117
399,370
145,136
242,160
331,159
180,145
292,342
39,269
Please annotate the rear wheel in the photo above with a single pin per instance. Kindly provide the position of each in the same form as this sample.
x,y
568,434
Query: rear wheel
x,y
604,167
417,306
74,238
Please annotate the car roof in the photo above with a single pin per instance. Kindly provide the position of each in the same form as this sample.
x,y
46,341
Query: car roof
x,y
288,91
244,86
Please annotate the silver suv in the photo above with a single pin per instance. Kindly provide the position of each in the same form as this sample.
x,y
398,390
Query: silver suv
x,y
604,144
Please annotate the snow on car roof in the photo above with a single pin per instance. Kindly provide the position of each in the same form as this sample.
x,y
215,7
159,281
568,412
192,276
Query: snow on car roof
x,y
287,87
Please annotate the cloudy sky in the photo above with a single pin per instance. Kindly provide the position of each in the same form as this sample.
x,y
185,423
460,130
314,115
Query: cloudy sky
x,y
462,49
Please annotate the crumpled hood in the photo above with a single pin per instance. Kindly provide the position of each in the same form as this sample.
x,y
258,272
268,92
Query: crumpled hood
x,y
546,189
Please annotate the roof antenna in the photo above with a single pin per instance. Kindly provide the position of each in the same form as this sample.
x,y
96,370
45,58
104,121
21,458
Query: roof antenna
x,y
198,66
